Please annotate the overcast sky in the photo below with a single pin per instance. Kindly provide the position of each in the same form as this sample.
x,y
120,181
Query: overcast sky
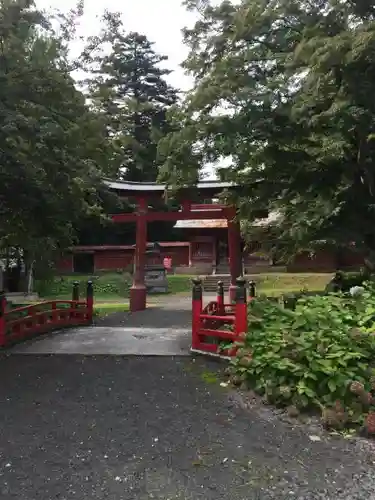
x,y
160,20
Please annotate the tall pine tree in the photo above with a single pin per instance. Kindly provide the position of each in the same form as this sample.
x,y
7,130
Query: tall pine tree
x,y
128,86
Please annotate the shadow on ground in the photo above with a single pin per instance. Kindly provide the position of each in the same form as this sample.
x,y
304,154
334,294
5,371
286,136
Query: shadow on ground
x,y
75,427
154,317
166,312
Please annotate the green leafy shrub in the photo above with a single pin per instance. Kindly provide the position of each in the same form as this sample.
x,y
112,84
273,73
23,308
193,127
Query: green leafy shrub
x,y
344,281
115,284
309,357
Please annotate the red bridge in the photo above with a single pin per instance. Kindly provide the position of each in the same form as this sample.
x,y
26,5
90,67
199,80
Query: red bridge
x,y
217,326
22,323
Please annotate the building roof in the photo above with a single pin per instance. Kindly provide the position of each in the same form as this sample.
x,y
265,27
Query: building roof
x,y
202,224
95,248
156,187
223,224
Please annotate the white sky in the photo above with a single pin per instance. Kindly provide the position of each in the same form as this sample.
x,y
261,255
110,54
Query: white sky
x,y
160,20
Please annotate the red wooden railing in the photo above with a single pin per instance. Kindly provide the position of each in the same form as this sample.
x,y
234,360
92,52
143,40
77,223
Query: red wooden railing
x,y
24,322
219,322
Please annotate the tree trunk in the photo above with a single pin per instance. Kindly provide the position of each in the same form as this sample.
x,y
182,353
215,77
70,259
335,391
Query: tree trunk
x,y
28,281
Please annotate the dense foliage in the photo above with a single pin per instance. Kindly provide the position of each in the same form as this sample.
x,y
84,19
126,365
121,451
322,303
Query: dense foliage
x,y
59,140
283,92
309,357
53,147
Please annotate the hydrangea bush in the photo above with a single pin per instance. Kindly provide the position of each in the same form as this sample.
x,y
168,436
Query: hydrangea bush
x,y
321,355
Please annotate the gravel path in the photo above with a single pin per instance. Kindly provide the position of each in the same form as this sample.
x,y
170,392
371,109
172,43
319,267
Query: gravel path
x,y
75,427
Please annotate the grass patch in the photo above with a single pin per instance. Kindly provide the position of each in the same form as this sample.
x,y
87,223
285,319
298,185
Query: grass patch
x,y
104,309
270,284
209,377
279,284
179,283
115,286
107,286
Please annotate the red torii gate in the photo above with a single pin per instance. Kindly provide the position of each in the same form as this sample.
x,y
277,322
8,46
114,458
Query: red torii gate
x,y
142,193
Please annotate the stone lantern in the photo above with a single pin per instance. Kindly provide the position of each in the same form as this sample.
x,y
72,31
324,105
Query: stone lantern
x,y
155,273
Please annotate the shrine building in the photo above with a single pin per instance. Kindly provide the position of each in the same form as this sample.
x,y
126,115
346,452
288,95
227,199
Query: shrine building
x,y
203,249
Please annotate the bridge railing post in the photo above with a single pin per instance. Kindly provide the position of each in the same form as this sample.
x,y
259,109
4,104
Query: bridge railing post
x,y
197,306
2,319
75,291
75,299
252,289
90,301
220,297
240,307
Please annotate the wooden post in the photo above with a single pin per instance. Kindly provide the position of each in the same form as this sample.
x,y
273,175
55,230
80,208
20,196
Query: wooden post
x,y
75,291
214,255
220,297
235,257
54,315
241,308
252,289
75,299
90,301
197,304
2,319
138,290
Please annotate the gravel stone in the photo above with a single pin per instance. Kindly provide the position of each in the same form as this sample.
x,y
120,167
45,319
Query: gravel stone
x,y
107,427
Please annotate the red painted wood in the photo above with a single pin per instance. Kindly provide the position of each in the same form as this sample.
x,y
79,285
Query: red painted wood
x,y
241,319
209,322
89,302
186,205
211,306
42,317
172,216
228,319
138,289
207,206
220,304
54,315
220,334
235,255
196,323
113,259
206,347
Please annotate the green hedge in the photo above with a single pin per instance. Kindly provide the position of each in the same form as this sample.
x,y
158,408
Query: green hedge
x,y
116,284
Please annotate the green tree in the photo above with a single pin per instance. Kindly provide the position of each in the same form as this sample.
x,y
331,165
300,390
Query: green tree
x,y
128,87
284,89
53,147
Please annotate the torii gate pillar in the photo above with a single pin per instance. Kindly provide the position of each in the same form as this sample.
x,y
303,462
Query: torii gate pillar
x,y
235,254
138,292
